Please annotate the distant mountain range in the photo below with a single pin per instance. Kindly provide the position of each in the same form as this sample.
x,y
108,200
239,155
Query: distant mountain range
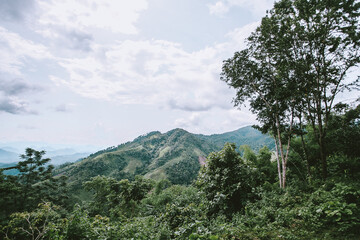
x,y
57,157
175,155
8,157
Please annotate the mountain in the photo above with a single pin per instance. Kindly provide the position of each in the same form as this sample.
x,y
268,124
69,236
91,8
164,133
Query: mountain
x,y
8,157
175,155
61,159
243,136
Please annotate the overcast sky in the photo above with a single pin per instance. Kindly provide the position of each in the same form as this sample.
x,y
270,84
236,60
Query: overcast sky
x,y
102,72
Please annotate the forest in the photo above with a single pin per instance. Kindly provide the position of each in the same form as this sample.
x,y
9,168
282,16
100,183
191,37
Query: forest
x,y
294,68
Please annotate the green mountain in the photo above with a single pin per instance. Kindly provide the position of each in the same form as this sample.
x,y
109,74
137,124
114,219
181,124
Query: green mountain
x,y
175,155
243,136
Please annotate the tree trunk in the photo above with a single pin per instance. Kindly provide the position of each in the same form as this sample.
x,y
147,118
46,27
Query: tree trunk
x,y
283,163
278,160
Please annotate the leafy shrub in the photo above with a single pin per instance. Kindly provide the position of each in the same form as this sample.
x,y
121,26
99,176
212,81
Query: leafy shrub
x,y
228,182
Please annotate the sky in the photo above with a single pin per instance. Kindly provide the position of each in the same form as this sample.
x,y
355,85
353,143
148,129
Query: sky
x,y
102,72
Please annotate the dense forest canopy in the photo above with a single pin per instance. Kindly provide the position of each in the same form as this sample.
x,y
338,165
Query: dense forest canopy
x,y
307,187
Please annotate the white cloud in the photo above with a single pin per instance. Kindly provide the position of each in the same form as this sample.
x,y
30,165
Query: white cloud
x,y
15,50
256,7
15,105
218,8
215,121
191,122
65,107
238,36
115,16
149,72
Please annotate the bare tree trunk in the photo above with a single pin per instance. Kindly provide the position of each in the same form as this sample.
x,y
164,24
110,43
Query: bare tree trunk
x,y
281,153
288,147
278,160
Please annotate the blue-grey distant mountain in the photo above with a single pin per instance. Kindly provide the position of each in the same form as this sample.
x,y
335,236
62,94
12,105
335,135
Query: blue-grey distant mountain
x,y
61,159
58,157
8,157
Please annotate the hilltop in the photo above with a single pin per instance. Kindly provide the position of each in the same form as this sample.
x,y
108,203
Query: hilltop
x,y
173,155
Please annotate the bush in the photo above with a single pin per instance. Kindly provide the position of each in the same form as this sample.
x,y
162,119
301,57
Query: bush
x,y
227,181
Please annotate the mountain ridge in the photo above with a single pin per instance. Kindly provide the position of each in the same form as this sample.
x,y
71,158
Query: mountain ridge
x,y
173,155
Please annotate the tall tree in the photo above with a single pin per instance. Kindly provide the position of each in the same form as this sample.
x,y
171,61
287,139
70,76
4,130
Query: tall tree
x,y
262,77
294,66
326,37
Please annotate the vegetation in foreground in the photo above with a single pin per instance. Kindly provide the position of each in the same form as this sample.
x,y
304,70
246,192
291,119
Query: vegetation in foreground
x,y
235,196
291,72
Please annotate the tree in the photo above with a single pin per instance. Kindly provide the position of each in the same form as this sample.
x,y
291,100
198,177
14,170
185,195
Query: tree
x,y
294,67
227,181
326,36
262,77
114,197
9,192
39,224
34,184
35,179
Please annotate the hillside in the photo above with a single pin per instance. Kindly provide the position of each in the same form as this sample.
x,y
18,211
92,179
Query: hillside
x,y
173,155
243,136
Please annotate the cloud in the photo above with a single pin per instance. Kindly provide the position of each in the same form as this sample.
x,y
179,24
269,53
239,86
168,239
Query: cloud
x,y
15,50
218,8
17,87
191,107
149,72
27,127
16,10
239,117
12,94
15,55
155,72
256,7
238,36
64,108
190,122
14,105
213,120
114,16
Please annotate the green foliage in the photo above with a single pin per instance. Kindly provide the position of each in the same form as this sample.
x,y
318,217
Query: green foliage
x,y
34,184
116,198
80,225
173,155
344,131
336,206
39,224
243,136
248,154
265,167
227,181
236,195
184,172
100,186
142,228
